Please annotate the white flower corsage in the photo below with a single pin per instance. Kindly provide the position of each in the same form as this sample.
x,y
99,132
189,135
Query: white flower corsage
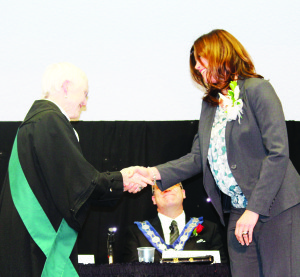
x,y
231,104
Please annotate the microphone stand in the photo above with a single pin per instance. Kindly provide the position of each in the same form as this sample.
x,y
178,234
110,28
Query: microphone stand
x,y
110,243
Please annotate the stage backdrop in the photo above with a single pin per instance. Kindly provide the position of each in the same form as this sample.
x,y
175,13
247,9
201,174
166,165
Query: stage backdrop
x,y
114,145
136,52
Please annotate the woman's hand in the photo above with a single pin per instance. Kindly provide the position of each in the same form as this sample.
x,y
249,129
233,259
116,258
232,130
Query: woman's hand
x,y
148,172
244,227
135,178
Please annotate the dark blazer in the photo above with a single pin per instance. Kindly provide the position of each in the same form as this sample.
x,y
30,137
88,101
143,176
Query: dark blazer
x,y
135,238
257,151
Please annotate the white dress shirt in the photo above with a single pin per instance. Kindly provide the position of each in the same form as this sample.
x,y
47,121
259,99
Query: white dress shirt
x,y
166,222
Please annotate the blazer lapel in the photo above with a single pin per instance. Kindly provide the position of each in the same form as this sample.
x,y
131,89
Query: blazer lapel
x,y
205,133
208,115
230,124
155,222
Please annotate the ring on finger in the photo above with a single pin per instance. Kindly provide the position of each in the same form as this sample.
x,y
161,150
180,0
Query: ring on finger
x,y
245,233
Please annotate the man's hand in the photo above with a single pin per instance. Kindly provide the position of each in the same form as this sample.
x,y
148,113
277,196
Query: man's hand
x,y
134,181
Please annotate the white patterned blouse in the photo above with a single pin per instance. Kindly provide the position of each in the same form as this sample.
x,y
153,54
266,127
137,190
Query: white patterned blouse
x,y
217,157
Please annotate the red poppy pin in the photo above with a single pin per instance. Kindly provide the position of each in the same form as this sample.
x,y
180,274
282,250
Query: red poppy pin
x,y
198,230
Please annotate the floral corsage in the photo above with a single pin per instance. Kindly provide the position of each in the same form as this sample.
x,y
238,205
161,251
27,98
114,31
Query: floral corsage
x,y
231,104
197,230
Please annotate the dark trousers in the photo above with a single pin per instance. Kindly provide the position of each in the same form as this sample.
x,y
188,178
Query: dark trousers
x,y
275,249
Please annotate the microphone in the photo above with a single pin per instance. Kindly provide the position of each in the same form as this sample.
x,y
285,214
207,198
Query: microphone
x,y
171,227
110,242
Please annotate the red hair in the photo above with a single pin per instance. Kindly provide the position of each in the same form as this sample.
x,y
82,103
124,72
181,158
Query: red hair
x,y
227,59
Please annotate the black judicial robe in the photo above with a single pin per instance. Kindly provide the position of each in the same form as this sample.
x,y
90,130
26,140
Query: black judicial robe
x,y
63,181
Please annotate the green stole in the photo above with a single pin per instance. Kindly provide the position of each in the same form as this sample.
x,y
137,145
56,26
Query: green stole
x,y
57,246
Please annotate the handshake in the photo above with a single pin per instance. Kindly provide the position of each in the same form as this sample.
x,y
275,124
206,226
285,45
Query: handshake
x,y
136,178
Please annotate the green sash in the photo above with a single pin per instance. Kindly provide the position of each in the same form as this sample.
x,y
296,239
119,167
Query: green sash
x,y
57,246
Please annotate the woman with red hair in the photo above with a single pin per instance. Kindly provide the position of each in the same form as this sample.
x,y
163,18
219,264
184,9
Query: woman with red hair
x,y
242,150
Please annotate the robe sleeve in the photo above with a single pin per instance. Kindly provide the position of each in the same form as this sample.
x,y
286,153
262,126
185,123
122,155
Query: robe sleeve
x,y
67,178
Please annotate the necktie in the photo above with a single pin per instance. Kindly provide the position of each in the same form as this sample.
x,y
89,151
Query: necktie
x,y
174,232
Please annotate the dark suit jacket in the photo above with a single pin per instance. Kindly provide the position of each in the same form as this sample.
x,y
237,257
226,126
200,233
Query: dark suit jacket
x,y
135,238
257,151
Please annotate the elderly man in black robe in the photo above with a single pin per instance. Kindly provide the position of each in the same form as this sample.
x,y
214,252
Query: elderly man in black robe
x,y
50,185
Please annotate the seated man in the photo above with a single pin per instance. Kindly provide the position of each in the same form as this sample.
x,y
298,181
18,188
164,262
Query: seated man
x,y
170,226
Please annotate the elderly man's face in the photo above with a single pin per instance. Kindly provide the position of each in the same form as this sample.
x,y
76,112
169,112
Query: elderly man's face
x,y
171,197
76,98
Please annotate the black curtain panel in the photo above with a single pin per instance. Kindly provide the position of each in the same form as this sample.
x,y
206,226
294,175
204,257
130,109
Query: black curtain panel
x,y
113,145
